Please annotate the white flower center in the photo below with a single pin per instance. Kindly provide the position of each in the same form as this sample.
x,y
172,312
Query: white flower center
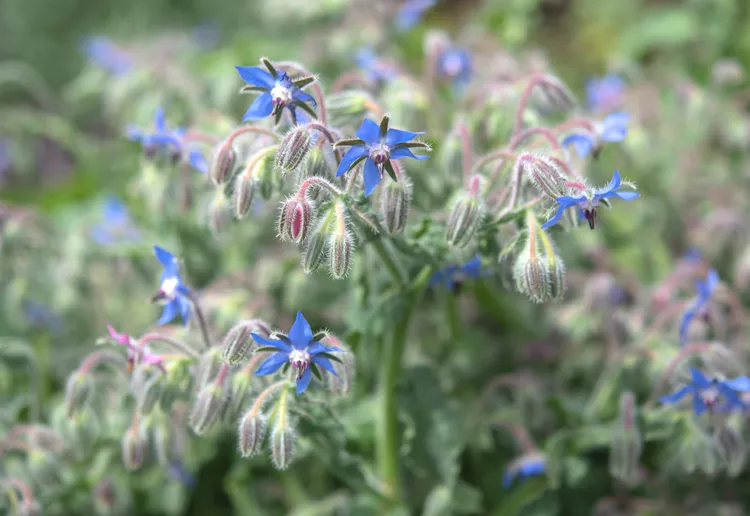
x,y
380,153
452,65
710,395
169,287
299,357
281,93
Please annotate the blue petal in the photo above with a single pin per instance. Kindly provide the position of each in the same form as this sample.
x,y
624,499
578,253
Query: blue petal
x,y
319,347
276,343
134,133
301,334
184,307
115,211
170,312
160,123
352,155
712,281
583,143
164,138
372,176
260,108
676,396
564,203
699,406
369,132
166,258
509,475
739,384
613,184
272,364
256,76
625,196
394,137
405,152
687,318
325,364
699,380
303,382
198,162
473,267
532,468
301,96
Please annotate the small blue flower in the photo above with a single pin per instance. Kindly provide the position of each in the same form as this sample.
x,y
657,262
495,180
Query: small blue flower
x,y
455,63
177,471
171,290
5,155
40,315
588,202
411,12
613,128
377,145
277,90
524,467
168,141
605,93
699,307
106,54
376,68
117,227
454,274
708,392
298,349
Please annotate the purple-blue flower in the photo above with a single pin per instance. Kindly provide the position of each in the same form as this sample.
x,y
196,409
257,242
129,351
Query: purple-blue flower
x,y
172,290
40,315
613,128
375,67
605,93
524,467
106,54
168,141
377,145
277,91
298,349
588,202
451,275
707,393
699,307
455,64
411,12
117,227
177,471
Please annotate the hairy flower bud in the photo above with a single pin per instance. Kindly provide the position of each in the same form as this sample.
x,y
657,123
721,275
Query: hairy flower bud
x,y
531,274
295,219
342,384
463,221
222,164
162,442
394,204
43,466
208,366
543,173
293,149
722,361
245,187
134,448
239,391
626,446
282,446
77,393
552,94
219,215
178,382
697,450
238,341
151,394
340,247
315,250
731,447
251,433
207,408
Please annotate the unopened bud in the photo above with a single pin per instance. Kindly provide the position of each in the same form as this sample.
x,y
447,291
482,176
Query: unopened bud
x,y
265,173
544,174
698,450
720,361
295,219
238,341
110,499
77,393
179,380
731,447
151,394
208,366
162,441
219,215
44,468
340,247
251,433
626,446
531,275
342,384
552,94
463,221
222,164
239,390
282,446
452,152
245,187
315,250
394,204
207,408
134,447
293,149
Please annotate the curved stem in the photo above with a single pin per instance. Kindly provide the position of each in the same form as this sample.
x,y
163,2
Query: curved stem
x,y
489,158
173,343
574,123
520,434
353,175
524,101
98,357
691,349
250,129
258,404
319,181
201,319
346,79
321,128
519,138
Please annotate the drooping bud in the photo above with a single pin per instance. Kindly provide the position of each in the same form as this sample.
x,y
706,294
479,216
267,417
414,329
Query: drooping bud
x,y
544,174
208,366
245,187
295,219
342,384
394,204
554,265
238,341
207,408
293,149
697,450
552,94
282,446
531,275
264,172
219,215
81,433
44,468
162,441
251,433
239,391
77,393
178,382
464,220
222,164
340,248
731,447
151,394
134,447
626,446
110,499
315,250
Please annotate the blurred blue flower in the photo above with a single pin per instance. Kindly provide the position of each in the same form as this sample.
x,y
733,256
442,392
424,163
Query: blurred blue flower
x,y
39,315
524,467
376,68
605,93
117,226
171,290
708,392
613,128
453,274
5,155
164,139
278,92
588,202
377,147
455,63
705,289
105,53
298,349
411,12
207,34
177,471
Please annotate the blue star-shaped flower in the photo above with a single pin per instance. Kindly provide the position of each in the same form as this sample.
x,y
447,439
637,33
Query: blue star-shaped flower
x,y
376,68
277,91
705,290
455,64
454,274
377,145
171,290
298,349
708,392
168,141
117,226
525,466
613,128
588,202
605,93
106,54
411,12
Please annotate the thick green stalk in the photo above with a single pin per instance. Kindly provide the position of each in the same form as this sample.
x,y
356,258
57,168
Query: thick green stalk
x,y
387,260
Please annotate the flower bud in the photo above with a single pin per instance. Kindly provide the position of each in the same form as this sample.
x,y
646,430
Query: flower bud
x,y
81,433
77,393
348,107
552,94
219,215
531,274
295,219
245,187
162,441
315,250
626,446
178,382
238,340
463,221
222,164
239,390
208,366
265,174
697,450
318,165
731,447
720,361
342,384
44,468
394,204
151,394
134,448
207,408
544,174
110,498
293,149
252,432
282,446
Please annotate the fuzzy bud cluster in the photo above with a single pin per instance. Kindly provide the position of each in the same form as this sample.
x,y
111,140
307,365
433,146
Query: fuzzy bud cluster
x,y
293,149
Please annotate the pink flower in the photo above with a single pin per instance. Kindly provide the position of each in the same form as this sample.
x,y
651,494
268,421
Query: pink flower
x,y
134,352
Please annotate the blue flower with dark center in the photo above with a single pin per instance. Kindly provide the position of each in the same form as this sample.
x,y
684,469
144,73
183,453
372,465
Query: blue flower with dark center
x,y
106,54
699,307
376,68
298,349
411,12
172,290
455,64
708,393
588,202
524,467
277,91
117,227
613,128
377,145
605,93
452,275
169,142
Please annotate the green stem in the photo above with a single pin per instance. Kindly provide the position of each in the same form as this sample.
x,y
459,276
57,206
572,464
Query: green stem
x,y
454,321
387,260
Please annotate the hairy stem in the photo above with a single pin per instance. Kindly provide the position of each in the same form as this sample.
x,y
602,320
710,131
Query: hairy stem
x,y
201,319
173,343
